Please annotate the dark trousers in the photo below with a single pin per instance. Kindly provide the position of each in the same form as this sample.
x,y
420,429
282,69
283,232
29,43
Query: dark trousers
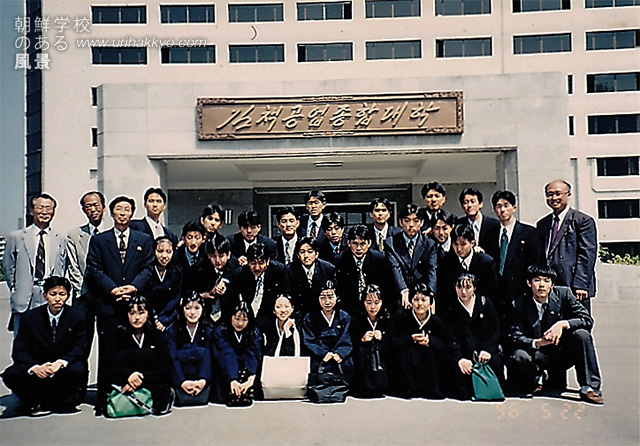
x,y
106,328
87,305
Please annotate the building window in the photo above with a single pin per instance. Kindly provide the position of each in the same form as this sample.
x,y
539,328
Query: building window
x,y
619,166
194,54
392,8
572,126
611,82
325,11
267,12
610,3
325,52
569,83
613,40
119,56
463,47
407,49
94,136
187,14
540,5
545,43
118,14
619,208
605,124
622,248
463,7
256,53
94,96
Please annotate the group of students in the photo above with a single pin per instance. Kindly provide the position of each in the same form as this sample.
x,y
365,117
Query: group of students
x,y
402,311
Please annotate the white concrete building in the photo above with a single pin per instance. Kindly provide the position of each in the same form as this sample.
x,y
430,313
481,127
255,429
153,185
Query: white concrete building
x,y
547,94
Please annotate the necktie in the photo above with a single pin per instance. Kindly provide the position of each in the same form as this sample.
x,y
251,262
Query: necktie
x,y
96,231
257,298
314,230
122,248
476,232
310,276
543,316
54,328
411,246
441,252
380,242
554,230
287,255
504,245
39,271
336,250
361,282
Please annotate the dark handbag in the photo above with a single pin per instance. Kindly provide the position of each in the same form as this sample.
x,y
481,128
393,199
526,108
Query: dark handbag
x,y
134,404
375,377
486,386
327,387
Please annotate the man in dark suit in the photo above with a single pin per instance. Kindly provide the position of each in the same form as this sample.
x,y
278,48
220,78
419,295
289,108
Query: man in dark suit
x,y
119,265
49,371
211,219
335,242
471,200
434,196
192,259
412,255
311,224
380,229
570,241
155,202
514,246
288,222
441,232
550,333
217,274
249,227
464,258
307,275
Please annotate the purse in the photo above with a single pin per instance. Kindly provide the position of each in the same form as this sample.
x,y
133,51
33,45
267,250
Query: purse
x,y
375,377
486,386
134,404
327,387
285,377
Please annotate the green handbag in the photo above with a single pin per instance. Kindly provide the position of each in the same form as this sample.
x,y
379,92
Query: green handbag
x,y
486,386
135,404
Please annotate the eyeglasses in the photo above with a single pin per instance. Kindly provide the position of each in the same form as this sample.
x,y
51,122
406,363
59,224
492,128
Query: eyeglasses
x,y
555,194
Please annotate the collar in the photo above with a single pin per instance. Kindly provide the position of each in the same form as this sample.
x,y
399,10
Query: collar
x,y
509,229
56,317
126,233
467,261
160,276
478,221
407,239
384,231
247,244
192,336
421,324
36,230
140,342
92,228
446,245
562,215
473,304
329,320
310,270
318,222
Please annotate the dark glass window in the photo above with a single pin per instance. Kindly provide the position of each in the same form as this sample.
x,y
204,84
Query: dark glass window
x,y
619,208
267,12
540,5
325,11
622,248
613,40
196,54
463,47
610,3
119,56
545,43
463,7
392,8
118,14
403,49
618,166
605,124
187,14
612,82
325,52
256,53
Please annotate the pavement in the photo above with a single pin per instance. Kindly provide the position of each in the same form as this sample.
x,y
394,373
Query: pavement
x,y
388,421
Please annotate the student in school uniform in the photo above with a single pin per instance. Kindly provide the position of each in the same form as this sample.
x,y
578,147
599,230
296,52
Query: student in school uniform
x,y
311,224
217,274
471,201
334,243
165,286
155,203
211,219
441,232
434,196
288,223
249,227
282,329
191,258
380,229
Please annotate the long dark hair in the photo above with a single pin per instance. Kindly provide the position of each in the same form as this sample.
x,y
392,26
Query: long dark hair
x,y
173,263
374,289
248,333
142,303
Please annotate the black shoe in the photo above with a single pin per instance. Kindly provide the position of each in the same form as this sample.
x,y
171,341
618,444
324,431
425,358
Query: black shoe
x,y
39,411
66,409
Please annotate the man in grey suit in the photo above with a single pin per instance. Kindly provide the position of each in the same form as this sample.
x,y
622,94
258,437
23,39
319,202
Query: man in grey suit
x,y
31,255
570,241
93,205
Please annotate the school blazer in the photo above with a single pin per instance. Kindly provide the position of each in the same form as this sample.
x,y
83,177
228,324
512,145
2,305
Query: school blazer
x,y
238,250
142,225
487,228
305,297
408,272
393,230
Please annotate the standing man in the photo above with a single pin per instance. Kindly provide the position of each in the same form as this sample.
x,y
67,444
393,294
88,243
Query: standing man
x,y
93,205
380,229
441,232
434,195
311,224
288,222
211,219
249,227
31,255
155,202
570,241
471,200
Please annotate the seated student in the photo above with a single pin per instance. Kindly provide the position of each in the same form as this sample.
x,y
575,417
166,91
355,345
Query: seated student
x,y
258,283
191,258
139,357
248,234
288,222
359,267
550,332
434,195
326,334
421,342
463,258
380,229
155,203
189,342
165,285
282,329
49,370
311,224
334,243
370,331
441,232
307,275
471,200
217,276
475,328
211,219
238,351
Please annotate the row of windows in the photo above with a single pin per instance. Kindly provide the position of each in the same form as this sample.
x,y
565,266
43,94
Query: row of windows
x,y
618,166
619,208
335,10
613,124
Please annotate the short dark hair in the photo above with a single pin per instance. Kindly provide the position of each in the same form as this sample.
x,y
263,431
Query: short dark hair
x,y
193,226
155,190
465,231
433,185
311,241
409,209
446,217
331,218
221,245
248,218
121,199
329,285
376,201
534,271
470,191
43,196
423,288
54,281
503,195
287,210
257,251
315,193
358,231
467,276
211,209
139,301
93,192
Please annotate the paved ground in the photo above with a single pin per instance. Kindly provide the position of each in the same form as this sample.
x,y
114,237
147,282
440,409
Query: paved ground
x,y
389,421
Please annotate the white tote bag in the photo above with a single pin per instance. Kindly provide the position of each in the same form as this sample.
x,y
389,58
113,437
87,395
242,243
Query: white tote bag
x,y
285,377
